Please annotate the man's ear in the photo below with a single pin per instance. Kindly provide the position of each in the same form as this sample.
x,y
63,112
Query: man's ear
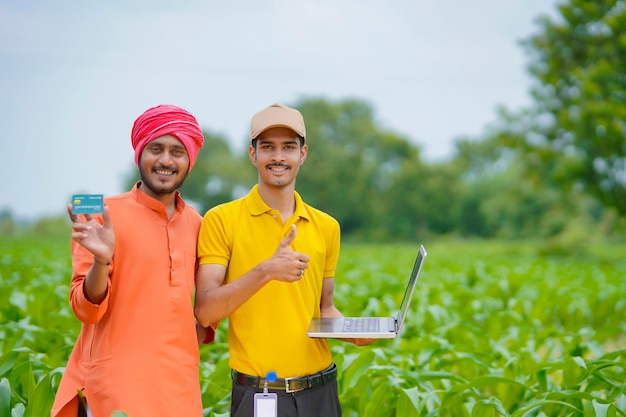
x,y
303,153
252,154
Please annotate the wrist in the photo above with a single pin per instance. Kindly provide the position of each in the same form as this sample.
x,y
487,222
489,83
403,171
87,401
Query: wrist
x,y
98,261
264,274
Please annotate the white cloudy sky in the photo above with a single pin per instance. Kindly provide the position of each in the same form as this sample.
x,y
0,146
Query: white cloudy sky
x,y
75,74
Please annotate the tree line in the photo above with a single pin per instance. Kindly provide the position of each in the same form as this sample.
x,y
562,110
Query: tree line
x,y
556,169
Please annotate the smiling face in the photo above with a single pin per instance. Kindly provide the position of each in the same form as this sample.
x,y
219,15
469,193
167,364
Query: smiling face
x,y
277,156
163,166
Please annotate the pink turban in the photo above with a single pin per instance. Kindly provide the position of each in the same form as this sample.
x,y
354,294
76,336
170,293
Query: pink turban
x,y
166,119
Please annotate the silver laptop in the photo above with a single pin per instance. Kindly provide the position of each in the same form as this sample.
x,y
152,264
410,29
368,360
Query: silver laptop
x,y
370,327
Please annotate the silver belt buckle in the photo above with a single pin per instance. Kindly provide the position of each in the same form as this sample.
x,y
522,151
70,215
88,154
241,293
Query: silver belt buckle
x,y
288,389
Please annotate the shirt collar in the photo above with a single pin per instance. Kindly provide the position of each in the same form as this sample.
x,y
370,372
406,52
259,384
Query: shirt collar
x,y
154,204
257,206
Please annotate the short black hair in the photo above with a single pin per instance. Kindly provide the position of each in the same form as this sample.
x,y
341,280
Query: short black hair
x,y
255,140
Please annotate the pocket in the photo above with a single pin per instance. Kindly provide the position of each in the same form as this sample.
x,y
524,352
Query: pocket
x,y
242,402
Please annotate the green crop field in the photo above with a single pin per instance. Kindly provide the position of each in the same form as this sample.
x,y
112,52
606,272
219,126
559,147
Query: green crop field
x,y
496,329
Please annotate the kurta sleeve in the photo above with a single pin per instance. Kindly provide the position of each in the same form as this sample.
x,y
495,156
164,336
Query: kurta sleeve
x,y
85,310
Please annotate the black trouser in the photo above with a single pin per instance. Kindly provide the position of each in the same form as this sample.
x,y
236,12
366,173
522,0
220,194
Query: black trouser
x,y
82,406
320,401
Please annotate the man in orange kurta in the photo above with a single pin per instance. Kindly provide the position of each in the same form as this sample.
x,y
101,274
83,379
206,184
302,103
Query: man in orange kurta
x,y
133,285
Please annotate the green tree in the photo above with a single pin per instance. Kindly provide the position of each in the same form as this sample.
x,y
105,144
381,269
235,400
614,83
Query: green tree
x,y
579,62
369,178
512,189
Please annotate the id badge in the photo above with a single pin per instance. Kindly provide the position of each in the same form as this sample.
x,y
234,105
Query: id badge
x,y
265,405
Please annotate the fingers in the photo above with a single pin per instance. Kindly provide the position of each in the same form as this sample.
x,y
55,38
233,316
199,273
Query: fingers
x,y
80,230
298,266
89,218
289,238
73,217
286,242
82,227
106,217
79,236
363,342
289,265
289,271
359,341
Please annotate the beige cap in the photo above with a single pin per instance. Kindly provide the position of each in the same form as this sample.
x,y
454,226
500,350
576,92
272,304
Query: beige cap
x,y
277,115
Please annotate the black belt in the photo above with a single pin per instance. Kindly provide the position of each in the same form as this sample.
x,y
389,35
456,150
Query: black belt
x,y
294,384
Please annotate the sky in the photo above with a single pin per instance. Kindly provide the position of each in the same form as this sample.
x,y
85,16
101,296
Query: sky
x,y
75,75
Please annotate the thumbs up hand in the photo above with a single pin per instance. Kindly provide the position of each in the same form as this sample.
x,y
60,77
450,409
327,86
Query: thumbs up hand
x,y
286,264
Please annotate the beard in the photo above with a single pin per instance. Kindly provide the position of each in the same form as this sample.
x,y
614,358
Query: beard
x,y
158,188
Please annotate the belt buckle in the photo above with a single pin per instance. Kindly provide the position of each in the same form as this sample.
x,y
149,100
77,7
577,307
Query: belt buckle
x,y
288,389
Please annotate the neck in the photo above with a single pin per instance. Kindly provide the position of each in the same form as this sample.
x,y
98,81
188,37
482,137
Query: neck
x,y
279,198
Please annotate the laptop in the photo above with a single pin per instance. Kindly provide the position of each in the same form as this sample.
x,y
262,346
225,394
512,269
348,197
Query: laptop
x,y
370,327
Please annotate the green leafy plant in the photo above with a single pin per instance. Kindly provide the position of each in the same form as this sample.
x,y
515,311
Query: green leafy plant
x,y
495,329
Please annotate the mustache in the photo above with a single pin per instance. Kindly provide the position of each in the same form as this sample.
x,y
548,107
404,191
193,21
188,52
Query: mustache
x,y
163,167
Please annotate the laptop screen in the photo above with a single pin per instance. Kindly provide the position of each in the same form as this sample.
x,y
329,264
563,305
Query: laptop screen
x,y
410,288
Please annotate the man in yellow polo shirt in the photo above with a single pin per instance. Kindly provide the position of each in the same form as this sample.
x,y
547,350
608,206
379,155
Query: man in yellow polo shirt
x,y
267,261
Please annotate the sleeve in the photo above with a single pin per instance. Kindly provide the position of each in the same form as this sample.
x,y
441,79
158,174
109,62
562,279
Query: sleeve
x,y
210,333
84,310
214,245
333,243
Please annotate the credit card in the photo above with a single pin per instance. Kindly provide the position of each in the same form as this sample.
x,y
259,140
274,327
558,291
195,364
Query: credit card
x,y
87,203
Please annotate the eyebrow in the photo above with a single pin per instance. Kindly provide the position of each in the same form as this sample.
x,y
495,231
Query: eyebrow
x,y
175,146
287,142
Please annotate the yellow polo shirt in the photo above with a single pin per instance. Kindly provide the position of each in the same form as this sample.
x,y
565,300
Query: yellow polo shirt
x,y
268,332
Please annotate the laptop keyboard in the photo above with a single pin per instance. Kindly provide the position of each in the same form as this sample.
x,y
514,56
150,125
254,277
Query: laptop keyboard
x,y
361,324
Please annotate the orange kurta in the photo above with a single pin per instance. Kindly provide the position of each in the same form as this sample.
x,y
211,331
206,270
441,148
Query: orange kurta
x,y
137,351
